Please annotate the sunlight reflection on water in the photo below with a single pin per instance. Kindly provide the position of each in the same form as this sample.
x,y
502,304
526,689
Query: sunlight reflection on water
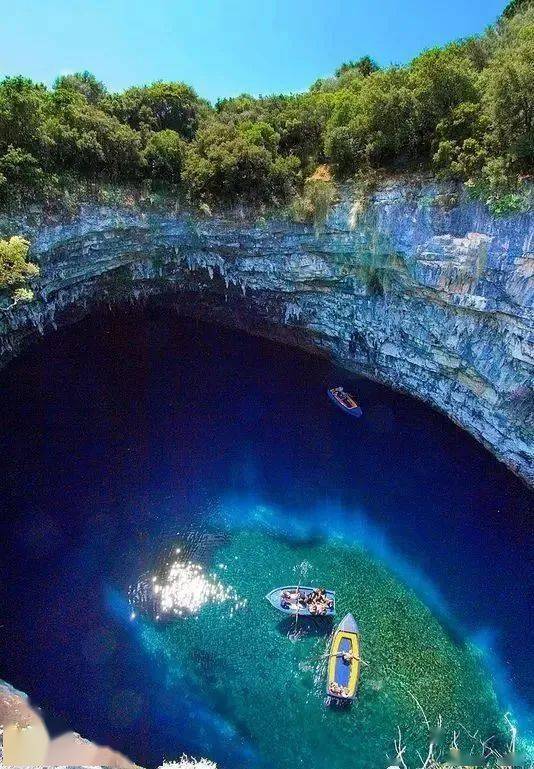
x,y
180,586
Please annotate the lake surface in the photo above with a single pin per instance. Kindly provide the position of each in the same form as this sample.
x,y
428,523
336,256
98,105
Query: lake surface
x,y
149,461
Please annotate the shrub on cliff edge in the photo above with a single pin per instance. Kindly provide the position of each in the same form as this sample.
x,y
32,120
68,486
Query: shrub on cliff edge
x,y
15,269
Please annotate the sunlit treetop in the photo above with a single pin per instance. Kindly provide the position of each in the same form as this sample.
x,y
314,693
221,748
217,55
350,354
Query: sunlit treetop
x,y
464,111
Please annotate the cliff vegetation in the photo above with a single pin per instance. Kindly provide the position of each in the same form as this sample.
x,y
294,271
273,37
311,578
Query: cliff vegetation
x,y
464,111
15,271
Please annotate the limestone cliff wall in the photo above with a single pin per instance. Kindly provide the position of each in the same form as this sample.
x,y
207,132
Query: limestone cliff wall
x,y
421,289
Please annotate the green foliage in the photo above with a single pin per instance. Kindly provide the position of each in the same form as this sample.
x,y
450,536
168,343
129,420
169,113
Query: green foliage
x,y
230,162
514,6
440,79
160,106
164,155
504,205
494,186
364,67
374,126
89,141
298,120
22,108
466,110
23,295
508,97
20,167
15,269
83,83
314,204
462,139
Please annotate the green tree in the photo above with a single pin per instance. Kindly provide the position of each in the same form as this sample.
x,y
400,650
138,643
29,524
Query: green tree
x,y
299,120
508,98
160,106
164,155
22,111
238,109
89,141
462,142
514,6
20,167
441,79
15,269
84,83
229,162
376,125
364,67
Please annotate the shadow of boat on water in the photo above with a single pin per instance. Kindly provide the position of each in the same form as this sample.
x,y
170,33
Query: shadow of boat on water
x,y
338,706
306,626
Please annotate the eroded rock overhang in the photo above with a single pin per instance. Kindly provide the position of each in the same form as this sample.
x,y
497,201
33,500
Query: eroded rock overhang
x,y
421,289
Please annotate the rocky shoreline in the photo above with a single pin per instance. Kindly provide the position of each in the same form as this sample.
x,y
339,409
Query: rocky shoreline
x,y
24,739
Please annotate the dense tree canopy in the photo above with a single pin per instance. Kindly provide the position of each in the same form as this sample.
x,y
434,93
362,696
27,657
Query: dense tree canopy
x,y
466,111
514,6
160,106
84,83
228,161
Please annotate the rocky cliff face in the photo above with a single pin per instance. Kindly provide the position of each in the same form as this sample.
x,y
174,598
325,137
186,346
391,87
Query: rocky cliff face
x,y
25,742
421,289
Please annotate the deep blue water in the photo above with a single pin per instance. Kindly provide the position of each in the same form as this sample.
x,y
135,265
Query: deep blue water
x,y
122,432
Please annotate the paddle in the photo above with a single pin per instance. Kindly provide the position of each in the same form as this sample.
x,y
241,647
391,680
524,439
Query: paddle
x,y
298,607
340,654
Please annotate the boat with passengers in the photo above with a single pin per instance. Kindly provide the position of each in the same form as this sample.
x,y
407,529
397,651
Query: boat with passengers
x,y
344,661
345,401
304,601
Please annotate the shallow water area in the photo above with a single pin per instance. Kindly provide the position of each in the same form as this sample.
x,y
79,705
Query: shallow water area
x,y
265,672
161,476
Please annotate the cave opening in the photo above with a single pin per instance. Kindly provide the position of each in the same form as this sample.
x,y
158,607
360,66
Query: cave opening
x,y
138,432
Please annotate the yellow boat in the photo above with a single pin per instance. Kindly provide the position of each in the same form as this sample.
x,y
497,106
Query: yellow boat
x,y
344,661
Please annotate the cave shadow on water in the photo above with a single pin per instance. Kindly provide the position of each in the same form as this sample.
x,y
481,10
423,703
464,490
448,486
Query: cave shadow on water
x,y
119,433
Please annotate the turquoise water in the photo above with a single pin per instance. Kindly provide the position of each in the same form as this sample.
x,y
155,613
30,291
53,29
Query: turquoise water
x,y
151,463
266,672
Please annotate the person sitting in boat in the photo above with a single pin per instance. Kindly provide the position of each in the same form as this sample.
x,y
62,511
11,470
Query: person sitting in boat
x,y
347,657
323,597
317,608
323,600
337,690
295,595
317,602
